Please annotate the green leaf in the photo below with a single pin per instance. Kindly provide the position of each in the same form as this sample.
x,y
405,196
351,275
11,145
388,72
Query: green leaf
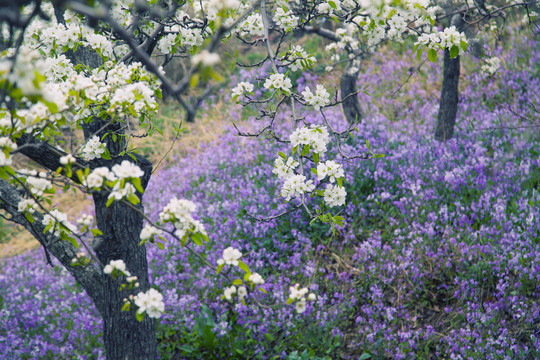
x,y
454,51
194,80
365,356
340,182
242,265
419,54
126,306
368,145
106,155
316,158
140,317
237,282
3,174
264,291
160,245
463,45
289,301
73,242
282,155
432,55
313,170
294,149
219,268
109,202
246,276
305,150
137,183
96,232
197,239
332,4
29,217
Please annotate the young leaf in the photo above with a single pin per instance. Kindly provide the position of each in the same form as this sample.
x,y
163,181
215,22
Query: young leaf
x,y
242,265
219,268
432,55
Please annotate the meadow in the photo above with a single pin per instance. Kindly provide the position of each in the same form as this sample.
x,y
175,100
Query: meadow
x,y
438,258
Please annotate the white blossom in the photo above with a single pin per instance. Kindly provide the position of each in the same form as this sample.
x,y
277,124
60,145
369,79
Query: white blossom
x,y
93,149
230,256
149,232
127,170
285,169
321,98
334,195
150,302
296,185
118,265
278,81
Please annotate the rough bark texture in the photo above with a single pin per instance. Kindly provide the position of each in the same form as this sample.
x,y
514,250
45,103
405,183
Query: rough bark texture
x,y
449,99
351,106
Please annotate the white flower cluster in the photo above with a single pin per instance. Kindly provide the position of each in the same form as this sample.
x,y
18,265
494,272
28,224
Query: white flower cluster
x,y
492,65
299,295
149,231
98,176
179,213
137,96
315,136
296,185
299,59
68,159
127,170
118,266
85,220
278,81
443,39
230,257
329,7
150,302
27,205
285,169
58,222
334,195
118,193
242,88
285,19
321,98
256,279
93,149
38,185
6,145
331,169
229,292
206,58
253,25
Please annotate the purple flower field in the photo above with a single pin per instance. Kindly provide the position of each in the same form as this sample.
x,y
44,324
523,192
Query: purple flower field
x,y
439,257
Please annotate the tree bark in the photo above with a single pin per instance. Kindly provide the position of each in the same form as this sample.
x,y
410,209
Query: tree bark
x,y
448,104
350,105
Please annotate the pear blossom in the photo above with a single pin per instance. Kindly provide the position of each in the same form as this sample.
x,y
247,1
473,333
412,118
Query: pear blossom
x,y
296,185
285,169
278,81
150,302
230,256
116,265
334,195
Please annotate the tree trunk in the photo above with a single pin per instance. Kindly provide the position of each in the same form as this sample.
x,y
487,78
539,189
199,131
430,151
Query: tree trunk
x,y
449,99
124,337
350,105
